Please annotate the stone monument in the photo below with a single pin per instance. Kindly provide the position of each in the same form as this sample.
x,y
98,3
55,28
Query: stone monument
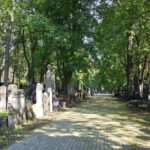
x,y
50,86
39,101
45,103
16,106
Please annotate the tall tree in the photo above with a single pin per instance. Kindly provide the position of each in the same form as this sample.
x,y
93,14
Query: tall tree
x,y
74,21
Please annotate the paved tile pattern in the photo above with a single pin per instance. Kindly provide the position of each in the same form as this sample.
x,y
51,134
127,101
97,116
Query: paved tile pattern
x,y
100,124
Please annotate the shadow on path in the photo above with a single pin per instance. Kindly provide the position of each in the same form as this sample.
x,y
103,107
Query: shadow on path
x,y
101,123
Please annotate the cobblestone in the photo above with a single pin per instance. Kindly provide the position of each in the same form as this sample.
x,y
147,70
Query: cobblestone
x,y
100,124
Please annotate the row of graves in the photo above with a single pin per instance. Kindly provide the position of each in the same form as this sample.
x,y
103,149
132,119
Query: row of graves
x,y
39,101
140,97
21,107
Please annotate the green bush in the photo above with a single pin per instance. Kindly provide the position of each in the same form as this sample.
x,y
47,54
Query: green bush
x,y
4,114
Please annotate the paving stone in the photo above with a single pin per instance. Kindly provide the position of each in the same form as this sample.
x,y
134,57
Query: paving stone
x,y
95,125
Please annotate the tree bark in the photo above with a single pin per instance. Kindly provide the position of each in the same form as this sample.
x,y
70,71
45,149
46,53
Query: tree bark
x,y
136,92
22,36
129,66
67,74
13,78
33,49
7,48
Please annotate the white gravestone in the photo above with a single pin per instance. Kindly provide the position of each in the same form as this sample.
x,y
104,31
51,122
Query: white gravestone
x,y
13,106
12,96
22,101
2,98
45,103
53,86
12,88
39,101
22,104
16,106
10,116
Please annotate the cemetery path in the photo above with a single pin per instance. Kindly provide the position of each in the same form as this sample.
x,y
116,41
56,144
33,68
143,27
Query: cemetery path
x,y
102,123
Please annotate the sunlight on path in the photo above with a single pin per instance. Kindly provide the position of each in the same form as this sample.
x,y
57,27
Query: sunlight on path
x,y
101,123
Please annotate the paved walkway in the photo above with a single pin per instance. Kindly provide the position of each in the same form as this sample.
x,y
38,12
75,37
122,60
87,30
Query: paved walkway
x,y
99,124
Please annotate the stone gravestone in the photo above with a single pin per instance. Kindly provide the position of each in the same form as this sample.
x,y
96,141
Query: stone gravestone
x,y
50,87
39,101
53,85
10,116
21,98
45,103
12,96
2,98
16,106
12,105
12,87
30,115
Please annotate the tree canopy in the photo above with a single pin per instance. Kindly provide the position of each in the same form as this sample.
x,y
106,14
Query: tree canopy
x,y
101,43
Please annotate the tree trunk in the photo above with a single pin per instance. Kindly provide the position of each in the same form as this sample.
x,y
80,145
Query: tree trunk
x,y
33,49
1,71
22,36
136,93
65,88
8,43
7,48
42,74
67,74
129,67
13,79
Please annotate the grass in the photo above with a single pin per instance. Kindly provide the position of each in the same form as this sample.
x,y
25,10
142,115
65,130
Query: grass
x,y
3,114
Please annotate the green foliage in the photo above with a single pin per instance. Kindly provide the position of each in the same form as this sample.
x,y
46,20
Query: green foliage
x,y
3,114
83,40
118,20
